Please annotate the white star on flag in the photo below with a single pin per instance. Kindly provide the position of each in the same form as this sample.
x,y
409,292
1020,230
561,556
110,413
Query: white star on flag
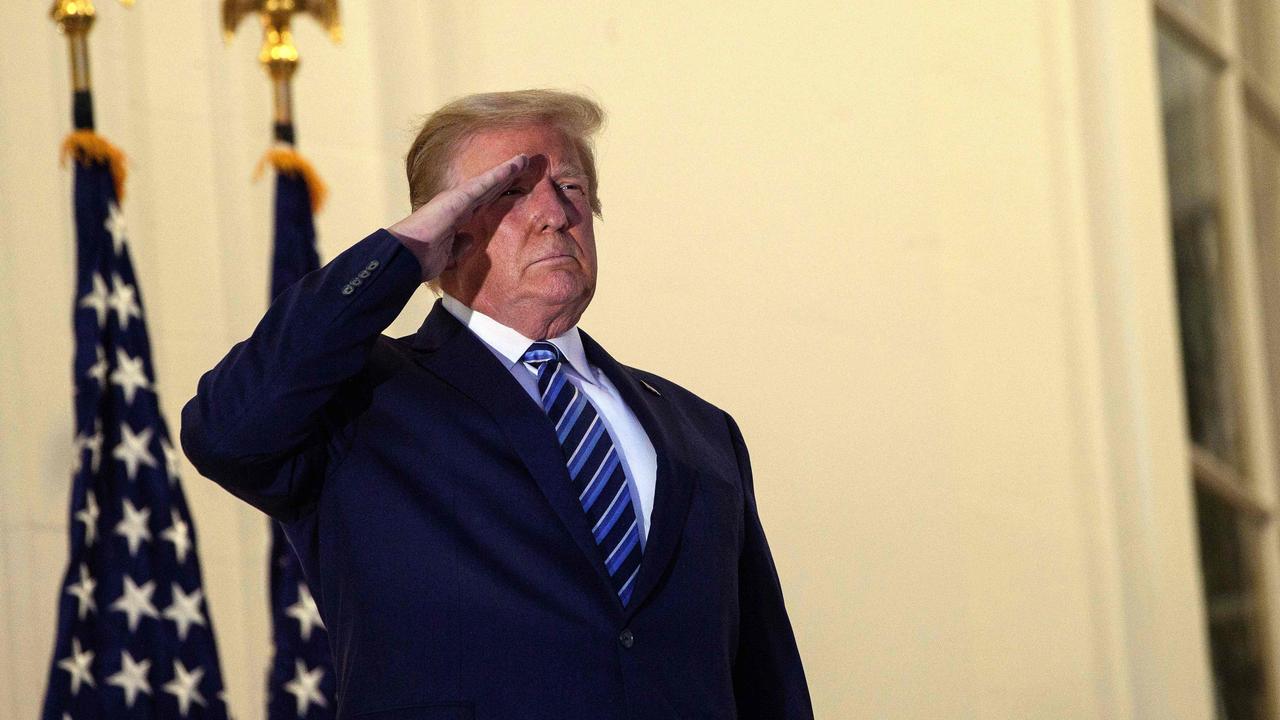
x,y
172,461
305,687
134,526
305,611
98,370
129,375
185,610
132,677
115,226
97,299
178,533
185,686
92,443
133,449
89,516
83,592
136,601
77,663
124,301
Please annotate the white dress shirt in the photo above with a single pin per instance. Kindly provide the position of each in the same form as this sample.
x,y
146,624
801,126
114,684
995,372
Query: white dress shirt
x,y
639,460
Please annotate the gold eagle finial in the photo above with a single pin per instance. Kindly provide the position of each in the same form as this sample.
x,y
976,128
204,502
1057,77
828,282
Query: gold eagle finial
x,y
279,55
277,14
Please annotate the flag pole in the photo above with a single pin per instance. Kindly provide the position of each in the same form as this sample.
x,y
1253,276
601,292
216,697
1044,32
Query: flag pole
x,y
75,20
132,635
301,681
279,56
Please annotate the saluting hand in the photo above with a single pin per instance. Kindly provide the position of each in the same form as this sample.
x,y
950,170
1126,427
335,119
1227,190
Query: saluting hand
x,y
430,230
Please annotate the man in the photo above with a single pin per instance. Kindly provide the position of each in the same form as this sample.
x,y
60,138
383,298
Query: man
x,y
498,519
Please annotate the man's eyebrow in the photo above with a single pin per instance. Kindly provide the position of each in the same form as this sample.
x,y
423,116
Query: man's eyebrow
x,y
569,169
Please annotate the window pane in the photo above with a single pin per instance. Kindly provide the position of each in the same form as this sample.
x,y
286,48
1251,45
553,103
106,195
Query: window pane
x,y
1227,560
1204,10
1256,24
1188,100
1264,174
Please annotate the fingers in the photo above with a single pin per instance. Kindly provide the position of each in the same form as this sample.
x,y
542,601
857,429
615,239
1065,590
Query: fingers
x,y
485,187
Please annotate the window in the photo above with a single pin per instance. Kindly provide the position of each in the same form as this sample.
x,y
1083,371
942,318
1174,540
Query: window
x,y
1219,64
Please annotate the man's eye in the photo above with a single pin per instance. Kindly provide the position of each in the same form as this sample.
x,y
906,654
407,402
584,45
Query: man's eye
x,y
567,187
513,191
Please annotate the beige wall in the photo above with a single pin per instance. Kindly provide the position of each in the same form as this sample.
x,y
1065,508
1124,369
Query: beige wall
x,y
916,248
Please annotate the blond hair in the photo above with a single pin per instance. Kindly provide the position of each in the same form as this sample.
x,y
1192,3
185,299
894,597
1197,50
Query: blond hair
x,y
430,157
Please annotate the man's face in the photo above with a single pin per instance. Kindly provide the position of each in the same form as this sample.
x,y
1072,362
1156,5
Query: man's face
x,y
532,251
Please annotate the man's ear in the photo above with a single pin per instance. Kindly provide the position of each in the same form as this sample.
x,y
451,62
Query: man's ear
x,y
463,245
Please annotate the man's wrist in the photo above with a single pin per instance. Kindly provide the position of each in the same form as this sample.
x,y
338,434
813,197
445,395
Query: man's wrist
x,y
418,249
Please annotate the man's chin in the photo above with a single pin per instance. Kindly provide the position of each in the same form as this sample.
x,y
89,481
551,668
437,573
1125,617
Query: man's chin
x,y
572,296
558,283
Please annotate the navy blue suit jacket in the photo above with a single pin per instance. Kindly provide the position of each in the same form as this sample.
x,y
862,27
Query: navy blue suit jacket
x,y
429,502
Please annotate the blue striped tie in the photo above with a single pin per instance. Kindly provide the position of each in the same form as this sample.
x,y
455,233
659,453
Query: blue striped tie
x,y
595,469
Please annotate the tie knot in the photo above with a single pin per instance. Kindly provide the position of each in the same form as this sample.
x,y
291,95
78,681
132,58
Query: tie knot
x,y
541,352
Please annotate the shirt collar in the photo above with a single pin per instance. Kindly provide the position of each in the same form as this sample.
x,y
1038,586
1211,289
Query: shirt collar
x,y
509,344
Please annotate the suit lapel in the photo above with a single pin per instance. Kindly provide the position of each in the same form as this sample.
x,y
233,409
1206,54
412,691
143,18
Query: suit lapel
x,y
458,357
673,491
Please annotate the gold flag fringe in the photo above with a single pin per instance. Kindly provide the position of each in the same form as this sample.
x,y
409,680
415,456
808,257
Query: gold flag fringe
x,y
87,146
291,162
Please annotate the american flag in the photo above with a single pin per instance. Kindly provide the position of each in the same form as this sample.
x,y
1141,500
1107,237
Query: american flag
x,y
301,682
134,635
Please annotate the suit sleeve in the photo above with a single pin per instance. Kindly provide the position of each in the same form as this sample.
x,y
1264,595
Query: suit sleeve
x,y
256,425
768,677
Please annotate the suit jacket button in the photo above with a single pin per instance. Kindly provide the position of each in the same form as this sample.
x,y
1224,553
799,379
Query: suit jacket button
x,y
627,638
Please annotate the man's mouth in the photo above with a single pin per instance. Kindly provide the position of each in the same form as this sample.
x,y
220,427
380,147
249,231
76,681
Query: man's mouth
x,y
551,258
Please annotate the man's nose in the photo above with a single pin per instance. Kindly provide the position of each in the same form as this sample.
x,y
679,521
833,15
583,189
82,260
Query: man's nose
x,y
551,209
